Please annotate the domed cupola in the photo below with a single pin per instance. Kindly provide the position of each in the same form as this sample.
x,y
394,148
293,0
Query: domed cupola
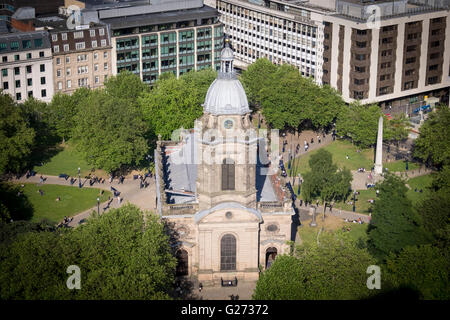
x,y
226,94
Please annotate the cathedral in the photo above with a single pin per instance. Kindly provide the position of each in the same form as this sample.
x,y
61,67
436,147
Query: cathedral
x,y
218,189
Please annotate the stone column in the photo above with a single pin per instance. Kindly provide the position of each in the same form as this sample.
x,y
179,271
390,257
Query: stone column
x,y
379,154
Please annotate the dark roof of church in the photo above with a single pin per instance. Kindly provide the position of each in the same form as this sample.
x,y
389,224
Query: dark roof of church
x,y
180,175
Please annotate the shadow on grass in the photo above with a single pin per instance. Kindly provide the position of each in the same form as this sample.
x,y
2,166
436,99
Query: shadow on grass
x,y
39,158
14,204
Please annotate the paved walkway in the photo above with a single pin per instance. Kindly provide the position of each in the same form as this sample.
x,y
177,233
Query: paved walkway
x,y
293,139
244,290
129,193
350,215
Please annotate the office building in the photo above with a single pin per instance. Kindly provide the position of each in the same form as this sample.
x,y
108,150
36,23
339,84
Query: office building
x,y
163,36
395,53
26,65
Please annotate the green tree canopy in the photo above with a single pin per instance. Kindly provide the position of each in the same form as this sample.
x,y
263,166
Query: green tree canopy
x,y
331,270
396,129
257,76
110,131
289,100
16,136
281,99
63,109
120,256
359,123
14,204
175,103
125,85
394,224
434,209
424,269
433,143
325,181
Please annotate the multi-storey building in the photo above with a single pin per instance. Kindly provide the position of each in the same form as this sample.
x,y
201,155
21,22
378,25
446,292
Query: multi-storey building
x,y
266,29
396,61
394,53
81,52
163,36
81,57
26,65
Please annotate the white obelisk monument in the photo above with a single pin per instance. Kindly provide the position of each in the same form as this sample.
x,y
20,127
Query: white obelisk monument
x,y
379,154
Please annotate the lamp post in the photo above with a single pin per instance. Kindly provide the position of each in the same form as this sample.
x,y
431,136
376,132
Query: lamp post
x,y
354,201
79,178
98,205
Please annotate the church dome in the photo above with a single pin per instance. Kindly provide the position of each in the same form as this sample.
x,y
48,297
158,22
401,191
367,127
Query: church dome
x,y
226,94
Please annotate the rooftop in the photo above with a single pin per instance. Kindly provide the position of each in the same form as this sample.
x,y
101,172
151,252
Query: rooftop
x,y
160,17
180,176
57,23
20,37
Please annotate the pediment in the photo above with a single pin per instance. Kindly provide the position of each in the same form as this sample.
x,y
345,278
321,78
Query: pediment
x,y
228,212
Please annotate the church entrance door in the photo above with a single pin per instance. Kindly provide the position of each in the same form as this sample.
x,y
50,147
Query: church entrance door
x,y
271,254
182,265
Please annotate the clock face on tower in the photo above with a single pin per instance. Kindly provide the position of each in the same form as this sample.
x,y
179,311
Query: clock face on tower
x,y
228,124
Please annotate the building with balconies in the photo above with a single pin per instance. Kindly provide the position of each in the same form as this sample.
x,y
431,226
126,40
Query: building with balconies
x,y
394,53
149,39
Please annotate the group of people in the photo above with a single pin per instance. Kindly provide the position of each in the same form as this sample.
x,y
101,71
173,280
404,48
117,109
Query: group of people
x,y
30,173
306,144
95,179
359,221
142,182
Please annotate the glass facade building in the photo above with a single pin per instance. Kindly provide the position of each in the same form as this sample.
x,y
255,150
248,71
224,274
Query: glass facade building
x,y
177,47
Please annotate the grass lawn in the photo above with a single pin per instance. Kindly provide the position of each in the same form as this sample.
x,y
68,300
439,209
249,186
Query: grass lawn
x,y
340,149
308,235
362,203
73,200
421,182
67,161
400,166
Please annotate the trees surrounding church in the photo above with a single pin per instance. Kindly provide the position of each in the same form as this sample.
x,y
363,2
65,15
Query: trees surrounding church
x,y
110,131
119,255
257,76
423,269
174,103
16,136
63,109
289,100
359,123
325,181
433,143
394,224
331,270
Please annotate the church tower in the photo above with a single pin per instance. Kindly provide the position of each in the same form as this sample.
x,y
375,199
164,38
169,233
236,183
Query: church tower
x,y
227,143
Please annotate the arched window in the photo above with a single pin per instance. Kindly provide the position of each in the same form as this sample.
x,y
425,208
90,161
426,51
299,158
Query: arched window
x,y
228,253
182,263
228,174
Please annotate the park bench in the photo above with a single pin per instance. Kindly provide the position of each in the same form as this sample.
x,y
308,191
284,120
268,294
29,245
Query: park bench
x,y
229,283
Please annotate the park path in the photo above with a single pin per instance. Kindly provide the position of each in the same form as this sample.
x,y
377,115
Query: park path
x,y
293,139
344,214
129,193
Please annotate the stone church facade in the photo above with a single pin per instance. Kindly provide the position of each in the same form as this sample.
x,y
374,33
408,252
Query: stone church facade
x,y
218,190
